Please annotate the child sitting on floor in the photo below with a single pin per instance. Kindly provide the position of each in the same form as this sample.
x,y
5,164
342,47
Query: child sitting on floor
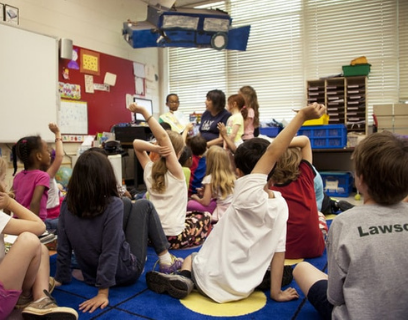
x,y
294,178
31,185
109,235
198,147
218,184
367,267
25,270
166,185
250,236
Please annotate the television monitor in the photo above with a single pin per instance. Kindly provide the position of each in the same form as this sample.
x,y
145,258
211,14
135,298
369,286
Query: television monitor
x,y
146,103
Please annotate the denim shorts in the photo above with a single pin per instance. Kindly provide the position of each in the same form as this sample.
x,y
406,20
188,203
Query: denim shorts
x,y
8,299
317,297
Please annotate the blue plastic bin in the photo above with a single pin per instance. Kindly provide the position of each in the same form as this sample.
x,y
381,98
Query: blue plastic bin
x,y
332,136
337,183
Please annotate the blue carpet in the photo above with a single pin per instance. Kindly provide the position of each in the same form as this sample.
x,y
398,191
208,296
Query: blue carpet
x,y
138,302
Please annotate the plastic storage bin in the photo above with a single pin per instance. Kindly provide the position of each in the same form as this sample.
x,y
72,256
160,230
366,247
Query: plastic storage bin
x,y
357,70
271,132
332,136
323,120
338,183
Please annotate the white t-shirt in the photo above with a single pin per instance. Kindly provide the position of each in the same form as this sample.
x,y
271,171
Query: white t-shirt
x,y
53,195
171,205
235,256
4,219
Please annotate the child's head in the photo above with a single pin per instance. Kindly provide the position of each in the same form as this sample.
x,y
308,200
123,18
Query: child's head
x,y
165,125
198,145
248,153
251,101
159,168
219,166
33,152
91,185
217,97
380,162
172,101
185,157
236,101
287,168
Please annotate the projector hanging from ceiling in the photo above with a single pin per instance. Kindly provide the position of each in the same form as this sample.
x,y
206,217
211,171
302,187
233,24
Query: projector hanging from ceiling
x,y
168,26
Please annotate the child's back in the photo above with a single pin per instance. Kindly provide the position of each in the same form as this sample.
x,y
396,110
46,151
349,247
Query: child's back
x,y
294,178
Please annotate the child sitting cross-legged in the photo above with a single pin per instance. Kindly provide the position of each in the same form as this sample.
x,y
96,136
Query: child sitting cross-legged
x,y
251,235
165,182
109,235
367,275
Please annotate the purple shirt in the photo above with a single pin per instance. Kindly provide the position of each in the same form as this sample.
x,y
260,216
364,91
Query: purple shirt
x,y
208,126
24,184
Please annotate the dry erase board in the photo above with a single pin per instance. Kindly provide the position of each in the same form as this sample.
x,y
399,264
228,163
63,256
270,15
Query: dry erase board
x,y
28,83
73,117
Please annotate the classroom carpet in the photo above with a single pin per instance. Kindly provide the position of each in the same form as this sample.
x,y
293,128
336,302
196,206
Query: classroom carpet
x,y
138,302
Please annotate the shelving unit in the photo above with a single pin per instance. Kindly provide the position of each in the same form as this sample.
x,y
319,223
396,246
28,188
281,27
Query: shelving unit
x,y
345,98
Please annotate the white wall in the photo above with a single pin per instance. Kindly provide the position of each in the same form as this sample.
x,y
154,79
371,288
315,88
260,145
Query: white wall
x,y
91,24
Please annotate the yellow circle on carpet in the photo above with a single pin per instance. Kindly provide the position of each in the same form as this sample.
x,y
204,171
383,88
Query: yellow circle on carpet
x,y
204,305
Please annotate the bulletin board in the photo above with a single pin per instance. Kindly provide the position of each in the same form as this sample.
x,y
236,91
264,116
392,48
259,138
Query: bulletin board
x,y
105,108
73,117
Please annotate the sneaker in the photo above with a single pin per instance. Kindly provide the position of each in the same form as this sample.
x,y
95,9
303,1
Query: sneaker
x,y
47,308
175,265
25,301
175,285
344,205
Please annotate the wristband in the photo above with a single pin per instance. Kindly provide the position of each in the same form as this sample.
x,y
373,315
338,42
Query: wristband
x,y
58,139
147,120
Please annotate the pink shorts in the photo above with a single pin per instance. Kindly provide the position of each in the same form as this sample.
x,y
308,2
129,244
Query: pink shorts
x,y
8,299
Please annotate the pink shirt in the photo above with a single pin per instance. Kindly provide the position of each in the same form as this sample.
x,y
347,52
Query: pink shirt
x,y
24,184
249,125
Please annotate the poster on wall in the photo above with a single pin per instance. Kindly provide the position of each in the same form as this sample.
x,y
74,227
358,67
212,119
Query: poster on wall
x,y
140,86
89,62
70,91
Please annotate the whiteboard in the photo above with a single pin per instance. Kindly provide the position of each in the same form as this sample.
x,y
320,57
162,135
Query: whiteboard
x,y
29,97
73,118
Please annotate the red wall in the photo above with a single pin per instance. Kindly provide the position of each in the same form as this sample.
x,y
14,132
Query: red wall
x,y
104,108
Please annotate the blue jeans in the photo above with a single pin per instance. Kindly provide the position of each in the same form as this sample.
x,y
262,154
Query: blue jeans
x,y
141,223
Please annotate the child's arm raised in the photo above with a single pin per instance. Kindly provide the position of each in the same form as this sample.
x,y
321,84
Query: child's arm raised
x,y
282,141
162,139
27,220
303,143
59,151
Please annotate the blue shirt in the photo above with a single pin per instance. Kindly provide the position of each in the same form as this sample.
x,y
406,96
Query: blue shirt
x,y
208,126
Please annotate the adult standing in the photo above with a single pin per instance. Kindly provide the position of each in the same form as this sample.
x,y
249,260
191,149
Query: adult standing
x,y
251,123
215,112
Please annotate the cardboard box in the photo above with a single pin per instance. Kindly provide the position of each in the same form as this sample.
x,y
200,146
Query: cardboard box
x,y
401,121
385,121
401,109
383,109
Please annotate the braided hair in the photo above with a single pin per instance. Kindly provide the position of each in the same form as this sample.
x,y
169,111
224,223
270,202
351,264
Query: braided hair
x,y
24,150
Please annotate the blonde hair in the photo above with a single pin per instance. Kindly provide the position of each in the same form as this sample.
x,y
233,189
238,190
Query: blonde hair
x,y
159,168
3,170
222,175
287,168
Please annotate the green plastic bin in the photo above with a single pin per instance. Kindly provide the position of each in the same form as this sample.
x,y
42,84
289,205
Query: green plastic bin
x,y
356,70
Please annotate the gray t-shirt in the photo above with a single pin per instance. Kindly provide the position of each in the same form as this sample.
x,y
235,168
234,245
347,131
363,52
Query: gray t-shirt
x,y
368,263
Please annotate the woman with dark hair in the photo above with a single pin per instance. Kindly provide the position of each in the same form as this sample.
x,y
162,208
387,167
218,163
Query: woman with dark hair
x,y
109,235
215,112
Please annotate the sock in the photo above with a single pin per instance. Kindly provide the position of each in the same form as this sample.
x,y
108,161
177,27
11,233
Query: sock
x,y
165,258
185,273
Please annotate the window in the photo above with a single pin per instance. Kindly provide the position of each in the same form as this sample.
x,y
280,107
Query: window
x,y
295,41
